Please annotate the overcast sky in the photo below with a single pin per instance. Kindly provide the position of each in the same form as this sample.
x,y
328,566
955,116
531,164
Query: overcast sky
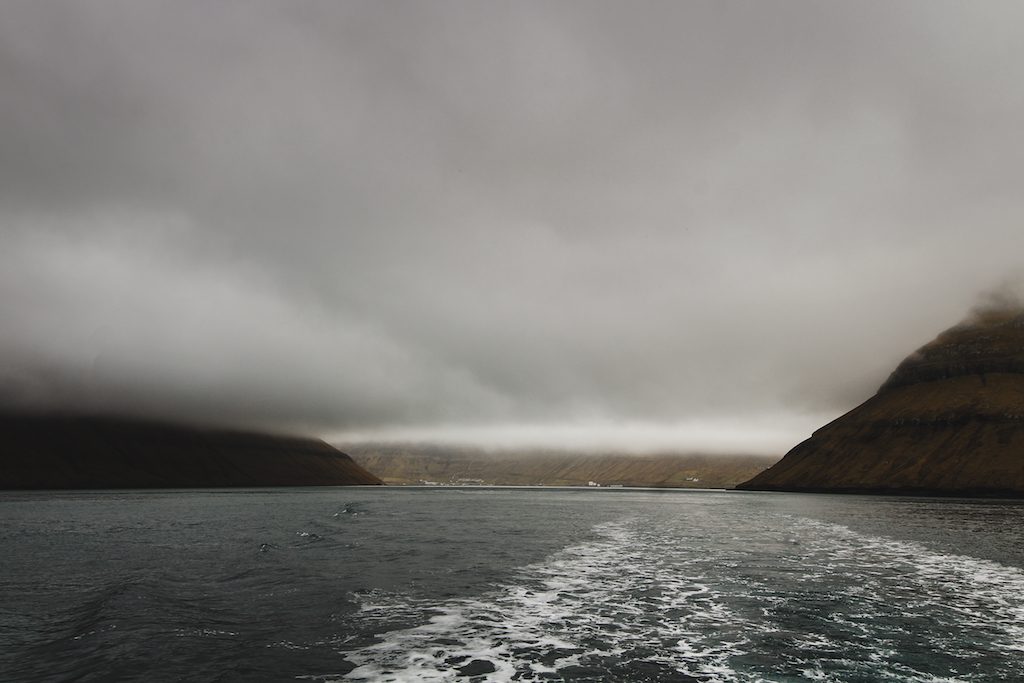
x,y
676,224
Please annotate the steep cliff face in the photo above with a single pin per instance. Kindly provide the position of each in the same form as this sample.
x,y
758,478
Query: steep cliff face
x,y
948,421
97,453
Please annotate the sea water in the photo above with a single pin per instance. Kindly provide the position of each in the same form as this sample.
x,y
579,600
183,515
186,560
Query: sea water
x,y
474,584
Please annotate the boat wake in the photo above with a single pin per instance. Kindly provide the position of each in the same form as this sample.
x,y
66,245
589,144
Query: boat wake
x,y
640,604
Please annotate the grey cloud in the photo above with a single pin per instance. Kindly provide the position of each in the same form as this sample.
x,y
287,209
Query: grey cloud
x,y
353,216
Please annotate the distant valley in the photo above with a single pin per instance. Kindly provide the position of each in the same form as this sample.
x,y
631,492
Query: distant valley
x,y
405,464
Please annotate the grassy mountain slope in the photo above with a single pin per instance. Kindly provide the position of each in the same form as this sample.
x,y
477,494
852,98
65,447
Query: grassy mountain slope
x,y
948,421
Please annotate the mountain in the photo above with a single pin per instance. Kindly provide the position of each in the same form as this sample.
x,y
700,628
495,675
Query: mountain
x,y
61,452
948,421
419,464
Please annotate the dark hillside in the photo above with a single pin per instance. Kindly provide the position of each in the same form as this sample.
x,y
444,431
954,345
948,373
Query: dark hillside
x,y
948,421
50,452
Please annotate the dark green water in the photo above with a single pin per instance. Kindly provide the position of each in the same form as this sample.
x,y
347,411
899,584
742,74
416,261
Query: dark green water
x,y
508,584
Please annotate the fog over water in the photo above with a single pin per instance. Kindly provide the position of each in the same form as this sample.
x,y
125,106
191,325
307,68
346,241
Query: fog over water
x,y
702,225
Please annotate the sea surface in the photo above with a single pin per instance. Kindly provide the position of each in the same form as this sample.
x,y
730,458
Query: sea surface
x,y
526,584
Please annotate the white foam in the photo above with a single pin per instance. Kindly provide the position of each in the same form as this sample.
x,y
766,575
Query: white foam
x,y
831,606
973,594
603,599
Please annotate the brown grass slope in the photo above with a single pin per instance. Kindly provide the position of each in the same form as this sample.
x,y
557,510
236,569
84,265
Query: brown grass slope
x,y
49,452
948,421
